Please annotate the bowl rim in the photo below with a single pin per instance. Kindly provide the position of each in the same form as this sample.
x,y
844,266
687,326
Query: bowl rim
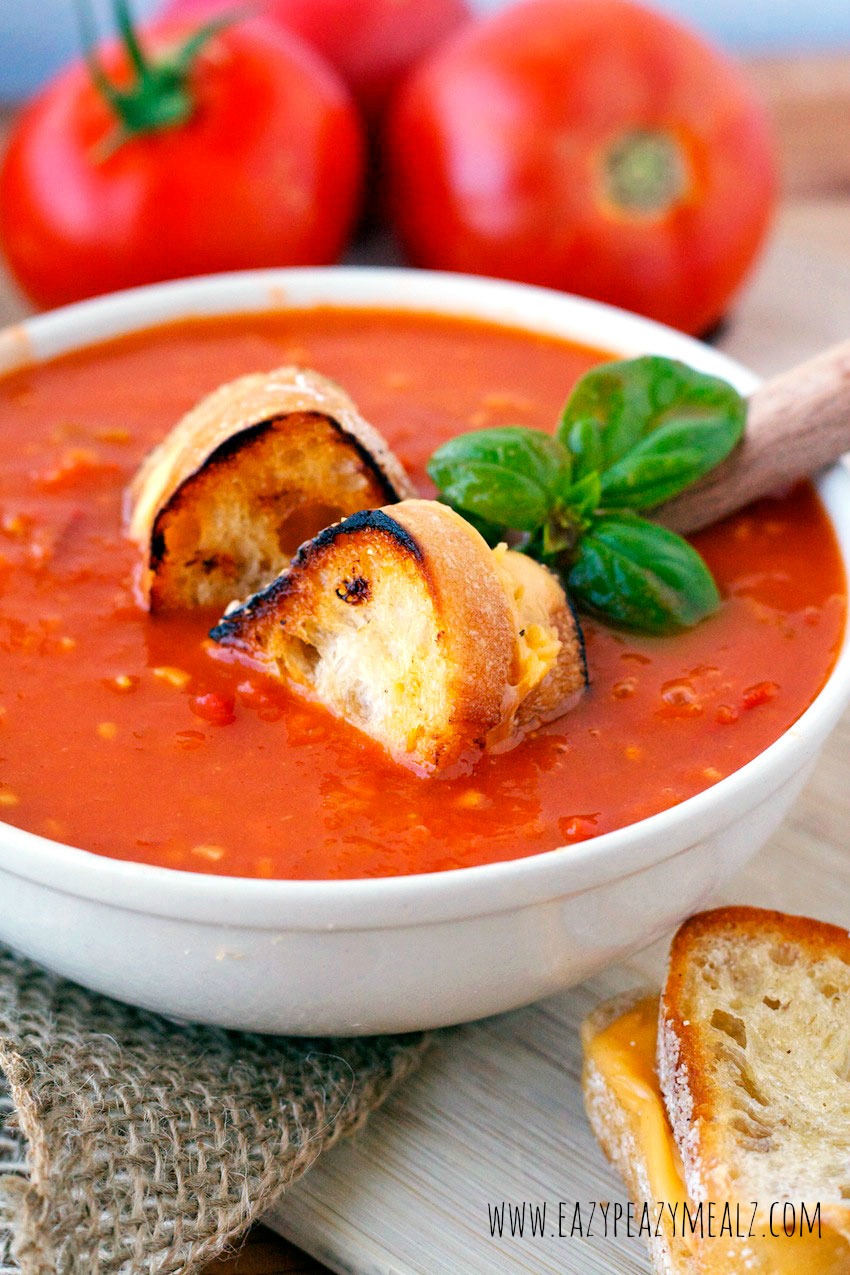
x,y
416,898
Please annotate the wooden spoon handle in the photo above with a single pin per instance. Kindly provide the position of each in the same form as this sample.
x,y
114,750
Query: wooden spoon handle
x,y
797,423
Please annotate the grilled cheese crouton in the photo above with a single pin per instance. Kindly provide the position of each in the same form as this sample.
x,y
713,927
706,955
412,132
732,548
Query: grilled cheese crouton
x,y
406,624
256,468
735,1091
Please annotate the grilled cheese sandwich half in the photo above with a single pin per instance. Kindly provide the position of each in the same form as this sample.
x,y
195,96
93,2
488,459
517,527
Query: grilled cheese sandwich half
x,y
704,1100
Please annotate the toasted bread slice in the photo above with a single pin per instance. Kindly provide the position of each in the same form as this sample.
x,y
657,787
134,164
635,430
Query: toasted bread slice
x,y
406,624
754,1058
256,468
629,1119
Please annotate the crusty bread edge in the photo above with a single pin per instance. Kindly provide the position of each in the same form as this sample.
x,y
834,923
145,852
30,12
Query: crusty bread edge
x,y
474,621
679,1068
616,1130
238,407
264,604
472,606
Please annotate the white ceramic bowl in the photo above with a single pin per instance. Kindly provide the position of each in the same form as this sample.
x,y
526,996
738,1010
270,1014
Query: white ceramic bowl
x,y
407,952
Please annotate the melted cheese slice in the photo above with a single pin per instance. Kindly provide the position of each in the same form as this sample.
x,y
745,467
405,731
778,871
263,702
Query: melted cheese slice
x,y
529,589
624,1055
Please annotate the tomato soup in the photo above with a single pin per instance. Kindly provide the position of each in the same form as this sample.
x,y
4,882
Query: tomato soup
x,y
123,734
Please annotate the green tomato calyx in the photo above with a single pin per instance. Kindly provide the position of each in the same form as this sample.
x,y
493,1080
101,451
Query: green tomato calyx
x,y
645,173
160,94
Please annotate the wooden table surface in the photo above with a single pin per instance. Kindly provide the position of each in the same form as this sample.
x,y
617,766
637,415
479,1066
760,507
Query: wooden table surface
x,y
809,98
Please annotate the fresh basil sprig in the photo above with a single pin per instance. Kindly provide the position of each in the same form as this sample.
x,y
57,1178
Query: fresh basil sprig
x,y
634,434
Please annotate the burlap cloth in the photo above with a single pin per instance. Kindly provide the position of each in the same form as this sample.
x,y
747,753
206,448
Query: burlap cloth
x,y
131,1145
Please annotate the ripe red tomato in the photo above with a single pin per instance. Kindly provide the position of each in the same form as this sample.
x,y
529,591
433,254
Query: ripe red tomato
x,y
266,170
372,43
588,145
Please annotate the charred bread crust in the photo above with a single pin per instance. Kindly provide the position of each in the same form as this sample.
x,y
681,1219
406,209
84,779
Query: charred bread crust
x,y
372,519
209,441
472,659
684,1052
233,628
386,491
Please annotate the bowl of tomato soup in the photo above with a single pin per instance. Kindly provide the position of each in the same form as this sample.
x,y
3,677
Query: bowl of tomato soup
x,y
182,833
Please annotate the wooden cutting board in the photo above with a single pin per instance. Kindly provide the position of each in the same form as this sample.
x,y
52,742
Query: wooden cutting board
x,y
496,1113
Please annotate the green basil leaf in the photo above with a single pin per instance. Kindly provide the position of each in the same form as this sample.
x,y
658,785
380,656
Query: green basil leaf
x,y
584,441
648,408
582,499
641,576
647,478
508,476
496,495
664,464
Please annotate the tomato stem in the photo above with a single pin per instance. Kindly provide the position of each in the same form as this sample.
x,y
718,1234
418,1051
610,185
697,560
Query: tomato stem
x,y
124,19
645,173
159,95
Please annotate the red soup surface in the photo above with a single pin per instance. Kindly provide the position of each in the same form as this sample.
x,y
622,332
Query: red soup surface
x,y
121,734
